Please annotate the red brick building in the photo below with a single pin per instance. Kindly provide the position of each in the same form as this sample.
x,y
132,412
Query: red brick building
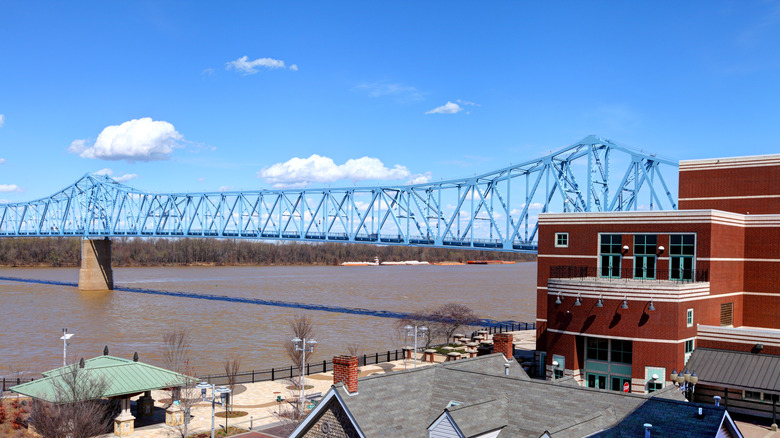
x,y
624,297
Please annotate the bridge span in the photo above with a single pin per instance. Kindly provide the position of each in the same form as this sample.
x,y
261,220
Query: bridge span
x,y
494,211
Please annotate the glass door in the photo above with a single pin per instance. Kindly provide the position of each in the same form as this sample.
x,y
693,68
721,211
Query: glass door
x,y
597,381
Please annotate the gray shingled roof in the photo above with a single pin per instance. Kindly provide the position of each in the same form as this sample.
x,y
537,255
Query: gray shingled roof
x,y
384,404
657,412
736,369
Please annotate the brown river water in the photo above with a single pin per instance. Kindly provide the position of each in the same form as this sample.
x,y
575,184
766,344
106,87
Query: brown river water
x,y
34,314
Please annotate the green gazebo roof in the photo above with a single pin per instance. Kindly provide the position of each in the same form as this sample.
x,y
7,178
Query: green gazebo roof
x,y
124,377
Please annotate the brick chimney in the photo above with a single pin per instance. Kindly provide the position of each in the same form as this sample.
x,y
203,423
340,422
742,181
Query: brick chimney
x,y
345,369
502,343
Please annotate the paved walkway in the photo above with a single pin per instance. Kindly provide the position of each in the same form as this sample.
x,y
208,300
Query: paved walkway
x,y
258,400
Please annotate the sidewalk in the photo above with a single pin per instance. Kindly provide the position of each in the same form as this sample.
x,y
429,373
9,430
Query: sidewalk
x,y
258,400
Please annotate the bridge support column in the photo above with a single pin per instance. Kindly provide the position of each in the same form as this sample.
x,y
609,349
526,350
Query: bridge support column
x,y
96,272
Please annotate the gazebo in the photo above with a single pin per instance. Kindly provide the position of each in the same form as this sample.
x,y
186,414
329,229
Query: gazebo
x,y
124,379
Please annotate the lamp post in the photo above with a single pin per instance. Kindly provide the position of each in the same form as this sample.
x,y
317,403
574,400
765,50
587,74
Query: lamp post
x,y
65,337
686,381
223,393
303,346
416,335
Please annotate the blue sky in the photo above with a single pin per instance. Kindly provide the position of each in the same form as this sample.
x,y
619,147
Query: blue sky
x,y
207,96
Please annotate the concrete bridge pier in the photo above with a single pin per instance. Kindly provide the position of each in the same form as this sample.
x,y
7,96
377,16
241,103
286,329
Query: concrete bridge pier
x,y
96,272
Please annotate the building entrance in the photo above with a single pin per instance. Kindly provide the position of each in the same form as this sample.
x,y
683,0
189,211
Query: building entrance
x,y
608,363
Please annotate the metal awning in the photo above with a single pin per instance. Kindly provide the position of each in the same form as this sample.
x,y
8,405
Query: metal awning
x,y
736,369
124,377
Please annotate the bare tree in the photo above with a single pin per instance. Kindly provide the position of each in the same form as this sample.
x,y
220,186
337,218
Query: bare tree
x,y
76,409
441,321
449,317
176,357
354,350
301,327
232,366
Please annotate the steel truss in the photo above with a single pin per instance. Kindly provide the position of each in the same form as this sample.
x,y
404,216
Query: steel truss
x,y
493,211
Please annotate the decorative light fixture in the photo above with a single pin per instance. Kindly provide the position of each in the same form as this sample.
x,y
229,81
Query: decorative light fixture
x,y
413,332
625,304
625,249
554,367
222,392
578,301
65,337
558,299
685,381
661,249
304,347
600,302
651,307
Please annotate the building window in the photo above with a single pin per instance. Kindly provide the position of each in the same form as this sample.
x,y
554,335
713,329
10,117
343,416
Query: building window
x,y
598,349
689,346
611,254
620,351
654,385
689,318
727,314
752,395
645,250
681,251
561,240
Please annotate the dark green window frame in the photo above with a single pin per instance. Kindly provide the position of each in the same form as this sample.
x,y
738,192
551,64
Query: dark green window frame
x,y
689,346
682,249
645,254
611,252
620,351
561,240
598,349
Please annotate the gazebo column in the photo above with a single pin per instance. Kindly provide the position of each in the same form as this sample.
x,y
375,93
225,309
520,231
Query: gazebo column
x,y
145,405
123,423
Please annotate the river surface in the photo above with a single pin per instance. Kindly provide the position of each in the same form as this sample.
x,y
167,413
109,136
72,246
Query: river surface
x,y
34,314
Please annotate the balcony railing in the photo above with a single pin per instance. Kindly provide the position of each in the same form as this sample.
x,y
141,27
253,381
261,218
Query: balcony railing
x,y
682,275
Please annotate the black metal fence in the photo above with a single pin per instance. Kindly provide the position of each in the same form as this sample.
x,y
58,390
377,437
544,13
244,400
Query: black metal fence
x,y
291,371
643,274
9,382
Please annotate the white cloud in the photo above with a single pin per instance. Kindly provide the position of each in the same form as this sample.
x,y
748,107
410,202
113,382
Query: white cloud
x,y
225,188
447,108
400,92
243,65
420,178
123,178
5,201
135,140
294,67
2,160
201,179
298,172
8,188
2,120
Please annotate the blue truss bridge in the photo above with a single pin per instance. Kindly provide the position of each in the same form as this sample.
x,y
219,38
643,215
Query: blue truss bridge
x,y
493,211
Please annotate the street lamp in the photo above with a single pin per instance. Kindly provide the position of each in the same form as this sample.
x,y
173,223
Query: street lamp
x,y
416,335
303,346
223,394
65,337
686,381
